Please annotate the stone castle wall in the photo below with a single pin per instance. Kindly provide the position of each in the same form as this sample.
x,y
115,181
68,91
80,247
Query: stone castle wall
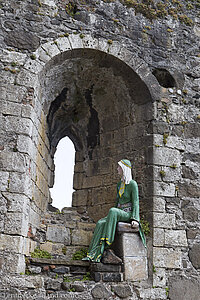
x,y
119,85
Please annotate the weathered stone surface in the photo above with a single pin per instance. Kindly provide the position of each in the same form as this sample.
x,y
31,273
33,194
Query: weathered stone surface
x,y
81,237
159,204
164,220
61,270
58,234
12,243
22,40
126,227
100,267
183,288
109,257
190,214
24,281
194,255
34,270
191,233
78,287
188,189
158,237
53,284
175,238
167,258
164,189
66,285
135,268
129,244
123,291
100,292
112,277
159,277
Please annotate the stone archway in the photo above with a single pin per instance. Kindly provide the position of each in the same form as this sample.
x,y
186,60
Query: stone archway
x,y
102,131
104,107
70,76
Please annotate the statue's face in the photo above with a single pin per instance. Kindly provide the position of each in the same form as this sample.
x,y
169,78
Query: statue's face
x,y
119,170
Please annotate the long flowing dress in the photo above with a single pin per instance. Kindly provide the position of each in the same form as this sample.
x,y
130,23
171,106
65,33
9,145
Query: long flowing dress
x,y
125,210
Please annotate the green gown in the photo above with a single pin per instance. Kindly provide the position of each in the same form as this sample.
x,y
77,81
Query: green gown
x,y
125,210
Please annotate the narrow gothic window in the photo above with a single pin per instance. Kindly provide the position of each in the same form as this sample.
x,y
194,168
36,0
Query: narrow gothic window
x,y
62,190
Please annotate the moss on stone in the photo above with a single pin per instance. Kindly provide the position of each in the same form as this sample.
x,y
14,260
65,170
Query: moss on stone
x,y
38,253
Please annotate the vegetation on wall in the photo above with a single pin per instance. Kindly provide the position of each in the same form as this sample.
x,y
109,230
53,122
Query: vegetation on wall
x,y
151,9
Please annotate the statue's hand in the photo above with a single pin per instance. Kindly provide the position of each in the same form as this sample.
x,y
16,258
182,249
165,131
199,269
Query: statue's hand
x,y
134,224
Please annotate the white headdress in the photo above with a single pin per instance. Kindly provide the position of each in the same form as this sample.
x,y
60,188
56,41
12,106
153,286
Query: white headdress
x,y
125,164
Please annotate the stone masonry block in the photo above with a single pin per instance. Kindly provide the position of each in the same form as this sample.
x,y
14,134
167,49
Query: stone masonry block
x,y
171,174
17,202
10,56
90,42
80,198
167,258
28,246
19,125
173,142
14,263
51,49
166,157
158,237
13,93
11,243
34,66
25,144
10,108
20,183
152,293
29,79
4,180
131,245
16,223
164,189
81,237
164,220
158,204
176,238
159,277
12,161
75,41
135,268
58,234
63,44
24,282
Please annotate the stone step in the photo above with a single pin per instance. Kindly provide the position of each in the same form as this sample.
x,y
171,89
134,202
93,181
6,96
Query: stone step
x,y
52,261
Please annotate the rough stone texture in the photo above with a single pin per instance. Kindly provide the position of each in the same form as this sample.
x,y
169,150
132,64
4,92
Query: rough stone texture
x,y
194,255
123,291
130,248
58,234
175,238
167,257
135,268
100,292
181,288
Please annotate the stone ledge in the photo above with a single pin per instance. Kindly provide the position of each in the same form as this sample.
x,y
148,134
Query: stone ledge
x,y
59,262
126,227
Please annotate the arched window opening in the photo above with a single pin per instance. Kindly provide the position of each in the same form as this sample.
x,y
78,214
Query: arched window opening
x,y
62,190
164,78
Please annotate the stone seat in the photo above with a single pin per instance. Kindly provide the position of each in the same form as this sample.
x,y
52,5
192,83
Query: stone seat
x,y
126,227
129,247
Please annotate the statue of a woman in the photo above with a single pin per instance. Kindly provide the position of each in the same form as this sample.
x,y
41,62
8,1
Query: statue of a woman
x,y
125,210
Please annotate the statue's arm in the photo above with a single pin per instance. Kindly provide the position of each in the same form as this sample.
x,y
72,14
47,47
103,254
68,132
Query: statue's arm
x,y
135,201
